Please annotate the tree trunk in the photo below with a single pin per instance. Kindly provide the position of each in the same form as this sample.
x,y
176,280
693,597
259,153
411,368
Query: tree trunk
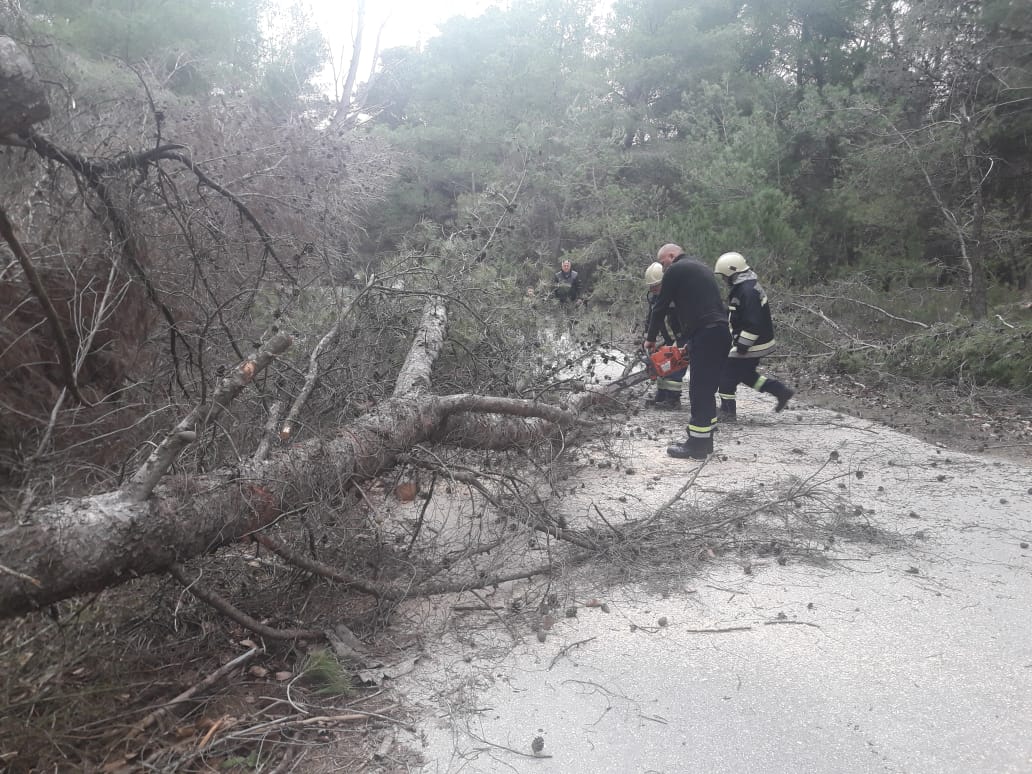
x,y
95,542
974,257
344,102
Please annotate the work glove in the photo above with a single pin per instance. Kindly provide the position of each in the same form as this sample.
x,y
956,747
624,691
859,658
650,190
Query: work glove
x,y
649,346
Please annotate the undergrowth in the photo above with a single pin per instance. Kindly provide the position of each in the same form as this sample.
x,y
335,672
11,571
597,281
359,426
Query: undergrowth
x,y
985,354
989,353
849,328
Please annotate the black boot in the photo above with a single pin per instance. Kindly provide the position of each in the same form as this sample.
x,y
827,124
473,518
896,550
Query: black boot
x,y
659,397
728,411
664,399
784,398
693,447
780,391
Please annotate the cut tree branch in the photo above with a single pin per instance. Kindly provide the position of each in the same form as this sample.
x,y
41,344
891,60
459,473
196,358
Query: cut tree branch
x,y
207,682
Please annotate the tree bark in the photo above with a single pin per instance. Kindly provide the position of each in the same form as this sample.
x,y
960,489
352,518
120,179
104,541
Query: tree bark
x,y
974,254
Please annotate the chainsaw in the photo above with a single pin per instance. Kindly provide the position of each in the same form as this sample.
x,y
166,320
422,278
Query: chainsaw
x,y
664,361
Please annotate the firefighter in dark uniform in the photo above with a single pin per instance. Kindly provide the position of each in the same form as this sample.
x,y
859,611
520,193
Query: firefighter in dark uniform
x,y
567,286
752,334
669,387
690,287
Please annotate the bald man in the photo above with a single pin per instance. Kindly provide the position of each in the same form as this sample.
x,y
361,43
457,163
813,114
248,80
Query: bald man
x,y
689,285
567,283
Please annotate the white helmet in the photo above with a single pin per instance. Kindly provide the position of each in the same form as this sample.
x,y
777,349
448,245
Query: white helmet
x,y
730,264
654,274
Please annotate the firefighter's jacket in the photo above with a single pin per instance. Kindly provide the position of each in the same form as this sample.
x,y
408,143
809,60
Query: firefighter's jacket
x,y
669,327
689,286
752,329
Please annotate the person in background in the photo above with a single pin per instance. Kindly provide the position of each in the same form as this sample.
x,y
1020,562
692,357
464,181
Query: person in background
x,y
668,388
752,334
689,286
567,286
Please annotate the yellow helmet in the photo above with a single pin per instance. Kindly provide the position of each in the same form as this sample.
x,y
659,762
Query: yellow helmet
x,y
654,274
730,264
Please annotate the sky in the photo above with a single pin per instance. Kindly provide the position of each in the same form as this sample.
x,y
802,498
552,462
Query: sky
x,y
405,23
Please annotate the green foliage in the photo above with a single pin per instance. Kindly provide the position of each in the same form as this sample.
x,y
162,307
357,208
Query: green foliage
x,y
983,353
619,293
848,362
293,62
192,47
245,763
491,116
729,193
195,41
824,138
961,352
323,672
757,224
662,49
819,43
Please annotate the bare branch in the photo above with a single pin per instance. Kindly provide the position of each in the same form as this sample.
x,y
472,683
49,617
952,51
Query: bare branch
x,y
327,341
147,477
867,305
846,336
269,431
242,208
318,568
131,250
150,719
208,596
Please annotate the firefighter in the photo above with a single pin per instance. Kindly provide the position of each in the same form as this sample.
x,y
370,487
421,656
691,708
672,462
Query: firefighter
x,y
690,286
752,334
567,286
668,388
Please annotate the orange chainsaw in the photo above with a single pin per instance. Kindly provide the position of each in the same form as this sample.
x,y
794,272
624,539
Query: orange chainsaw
x,y
659,364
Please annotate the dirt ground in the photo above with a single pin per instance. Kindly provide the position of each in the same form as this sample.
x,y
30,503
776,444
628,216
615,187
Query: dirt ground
x,y
979,420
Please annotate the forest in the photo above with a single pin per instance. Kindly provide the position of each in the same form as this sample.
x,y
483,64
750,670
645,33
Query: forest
x,y
249,295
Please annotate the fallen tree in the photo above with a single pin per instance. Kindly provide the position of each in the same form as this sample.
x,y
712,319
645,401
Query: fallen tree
x,y
87,544
173,509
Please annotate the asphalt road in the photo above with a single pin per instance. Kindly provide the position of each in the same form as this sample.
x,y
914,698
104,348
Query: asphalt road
x,y
915,657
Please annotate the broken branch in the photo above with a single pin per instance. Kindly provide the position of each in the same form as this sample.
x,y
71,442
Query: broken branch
x,y
146,478
209,597
207,682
